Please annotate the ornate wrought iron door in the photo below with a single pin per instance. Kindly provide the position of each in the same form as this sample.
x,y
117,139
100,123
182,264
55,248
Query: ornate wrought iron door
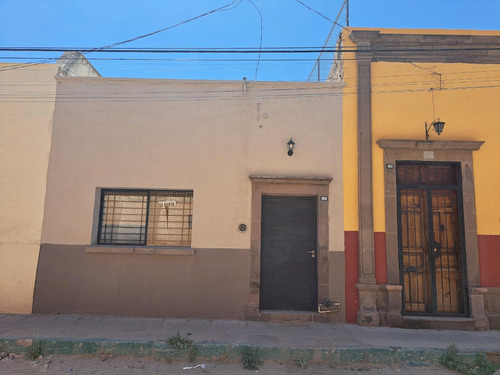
x,y
431,240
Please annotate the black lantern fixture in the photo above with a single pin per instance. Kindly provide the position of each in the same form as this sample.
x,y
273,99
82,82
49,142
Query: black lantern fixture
x,y
290,146
438,127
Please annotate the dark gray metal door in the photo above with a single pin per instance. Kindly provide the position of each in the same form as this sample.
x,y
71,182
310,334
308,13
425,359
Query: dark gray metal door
x,y
288,278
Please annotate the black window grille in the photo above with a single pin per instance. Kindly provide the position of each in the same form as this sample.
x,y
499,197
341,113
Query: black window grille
x,y
145,217
427,174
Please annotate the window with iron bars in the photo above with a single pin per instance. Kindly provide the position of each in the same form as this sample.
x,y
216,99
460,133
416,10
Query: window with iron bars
x,y
145,217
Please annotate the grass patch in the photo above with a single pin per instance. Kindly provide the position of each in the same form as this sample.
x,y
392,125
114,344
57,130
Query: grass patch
x,y
34,350
302,362
179,342
467,365
250,358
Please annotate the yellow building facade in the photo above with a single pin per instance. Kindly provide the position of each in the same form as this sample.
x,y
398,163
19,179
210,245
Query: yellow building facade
x,y
397,81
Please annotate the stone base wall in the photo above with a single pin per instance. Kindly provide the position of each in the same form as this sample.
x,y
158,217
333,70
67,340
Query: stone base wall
x,y
492,307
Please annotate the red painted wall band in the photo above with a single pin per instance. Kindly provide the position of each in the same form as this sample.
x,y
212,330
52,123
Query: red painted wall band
x,y
489,260
489,266
351,276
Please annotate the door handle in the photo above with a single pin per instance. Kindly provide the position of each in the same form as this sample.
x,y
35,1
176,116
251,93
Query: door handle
x,y
436,251
313,253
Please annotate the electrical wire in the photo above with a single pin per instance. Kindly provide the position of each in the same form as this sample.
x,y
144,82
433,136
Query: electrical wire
x,y
322,15
104,48
269,50
269,68
261,34
375,86
284,50
197,94
238,2
172,59
317,63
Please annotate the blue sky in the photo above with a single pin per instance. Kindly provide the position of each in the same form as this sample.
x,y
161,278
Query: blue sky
x,y
285,23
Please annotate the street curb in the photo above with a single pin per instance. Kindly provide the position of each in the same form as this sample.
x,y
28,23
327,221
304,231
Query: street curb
x,y
223,351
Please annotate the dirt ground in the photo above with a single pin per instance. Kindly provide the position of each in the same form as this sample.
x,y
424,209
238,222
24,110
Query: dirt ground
x,y
78,365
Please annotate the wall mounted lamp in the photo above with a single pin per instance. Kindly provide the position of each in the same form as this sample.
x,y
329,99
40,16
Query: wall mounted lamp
x,y
438,127
290,146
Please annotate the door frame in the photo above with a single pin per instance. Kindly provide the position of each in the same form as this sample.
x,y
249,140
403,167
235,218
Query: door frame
x,y
288,186
424,151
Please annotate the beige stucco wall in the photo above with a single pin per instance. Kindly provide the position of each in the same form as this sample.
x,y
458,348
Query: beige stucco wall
x,y
26,111
207,136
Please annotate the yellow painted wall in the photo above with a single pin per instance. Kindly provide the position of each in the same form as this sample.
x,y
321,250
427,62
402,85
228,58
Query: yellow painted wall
x,y
468,100
469,103
350,136
26,111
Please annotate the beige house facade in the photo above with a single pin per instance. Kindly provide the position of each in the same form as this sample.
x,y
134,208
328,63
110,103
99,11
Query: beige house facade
x,y
27,102
159,194
25,134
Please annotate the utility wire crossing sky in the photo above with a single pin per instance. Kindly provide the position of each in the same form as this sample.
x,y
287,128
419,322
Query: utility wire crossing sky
x,y
214,39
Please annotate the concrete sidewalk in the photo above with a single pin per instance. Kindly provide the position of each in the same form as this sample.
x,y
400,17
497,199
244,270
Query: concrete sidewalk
x,y
78,334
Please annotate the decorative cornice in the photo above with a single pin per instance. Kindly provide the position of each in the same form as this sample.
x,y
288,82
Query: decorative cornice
x,y
478,49
413,144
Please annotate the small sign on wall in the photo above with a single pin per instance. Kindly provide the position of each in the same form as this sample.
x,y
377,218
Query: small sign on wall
x,y
429,155
323,198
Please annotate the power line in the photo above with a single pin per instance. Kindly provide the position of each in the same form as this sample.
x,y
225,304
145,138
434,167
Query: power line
x,y
261,34
235,50
139,49
100,49
322,15
231,60
109,65
452,83
166,59
345,4
235,63
174,95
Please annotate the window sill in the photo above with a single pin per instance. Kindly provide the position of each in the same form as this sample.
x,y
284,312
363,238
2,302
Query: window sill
x,y
145,250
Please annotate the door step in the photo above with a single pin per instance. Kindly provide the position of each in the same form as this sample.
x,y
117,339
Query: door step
x,y
294,317
432,322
